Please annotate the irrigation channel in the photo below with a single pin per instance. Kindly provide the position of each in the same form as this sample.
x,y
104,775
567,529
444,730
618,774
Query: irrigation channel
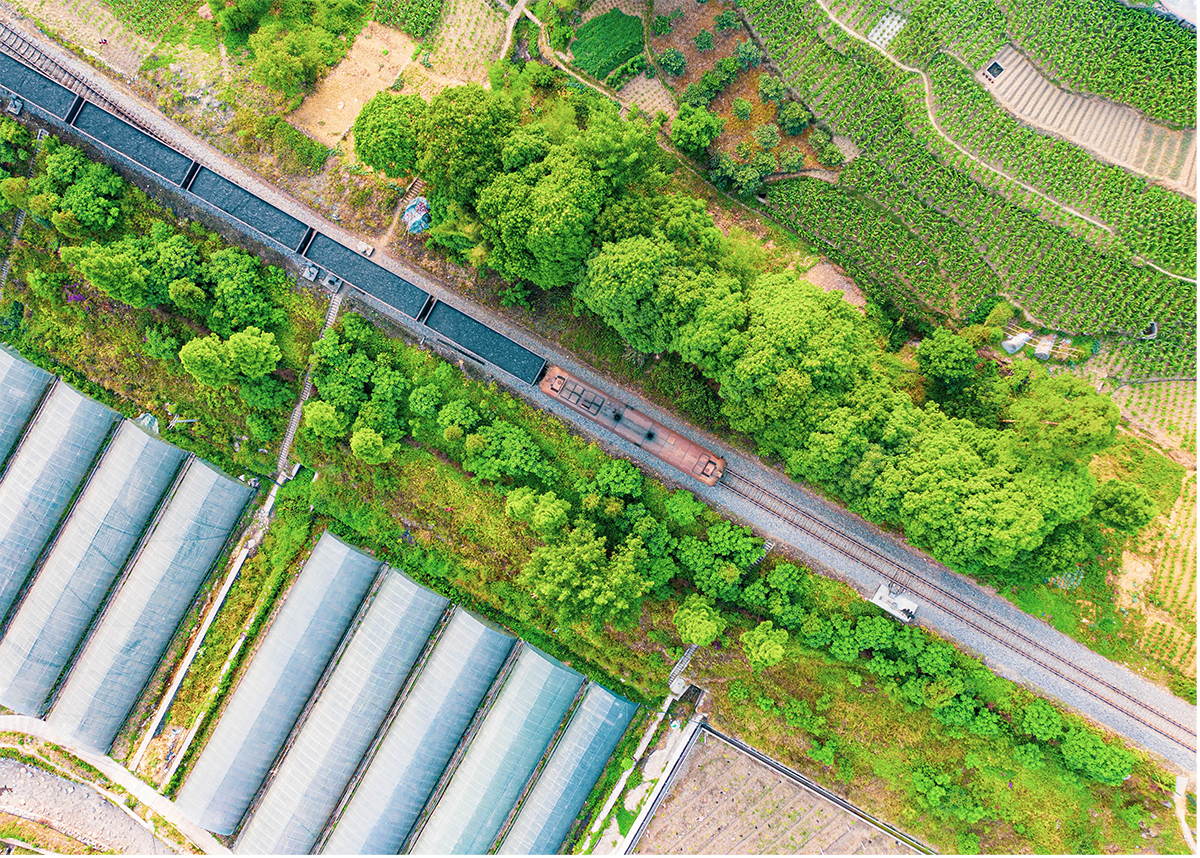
x,y
915,583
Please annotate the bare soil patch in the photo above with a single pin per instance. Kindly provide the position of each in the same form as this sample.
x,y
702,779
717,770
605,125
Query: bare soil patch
x,y
650,95
831,278
727,803
374,62
696,17
84,23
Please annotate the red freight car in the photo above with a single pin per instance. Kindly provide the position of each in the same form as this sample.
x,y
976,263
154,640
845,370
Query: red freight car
x,y
632,425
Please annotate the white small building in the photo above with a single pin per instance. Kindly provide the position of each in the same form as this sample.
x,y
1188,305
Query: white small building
x,y
901,607
1045,346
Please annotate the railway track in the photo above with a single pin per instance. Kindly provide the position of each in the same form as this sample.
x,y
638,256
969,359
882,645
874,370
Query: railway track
x,y
31,54
962,610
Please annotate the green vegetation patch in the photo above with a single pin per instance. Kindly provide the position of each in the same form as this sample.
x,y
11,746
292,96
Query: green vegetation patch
x,y
418,18
606,42
1135,461
150,19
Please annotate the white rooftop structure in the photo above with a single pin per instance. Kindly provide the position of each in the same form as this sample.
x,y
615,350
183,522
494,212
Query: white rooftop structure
x,y
1015,343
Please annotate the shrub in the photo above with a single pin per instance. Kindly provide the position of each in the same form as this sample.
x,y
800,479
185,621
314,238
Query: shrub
x,y
607,42
793,118
704,40
627,72
726,21
771,88
747,54
827,153
661,25
695,128
673,62
742,108
766,135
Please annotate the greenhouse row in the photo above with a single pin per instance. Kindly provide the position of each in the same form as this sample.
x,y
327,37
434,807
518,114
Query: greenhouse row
x,y
106,536
377,718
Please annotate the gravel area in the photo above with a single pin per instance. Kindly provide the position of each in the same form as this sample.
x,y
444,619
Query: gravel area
x,y
863,578
74,809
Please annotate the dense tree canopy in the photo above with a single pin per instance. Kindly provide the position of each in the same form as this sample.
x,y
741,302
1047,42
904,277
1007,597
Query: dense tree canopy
x,y
385,132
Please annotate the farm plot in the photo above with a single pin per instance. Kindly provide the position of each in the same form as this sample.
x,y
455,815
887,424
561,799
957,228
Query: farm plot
x,y
1116,133
468,38
1059,278
1166,411
727,803
85,22
1170,547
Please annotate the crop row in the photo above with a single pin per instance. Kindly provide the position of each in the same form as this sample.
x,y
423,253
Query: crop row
x,y
1155,223
1061,279
868,239
1108,49
971,29
149,18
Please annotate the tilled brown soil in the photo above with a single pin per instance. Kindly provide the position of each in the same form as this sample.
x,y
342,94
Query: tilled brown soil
x,y
726,803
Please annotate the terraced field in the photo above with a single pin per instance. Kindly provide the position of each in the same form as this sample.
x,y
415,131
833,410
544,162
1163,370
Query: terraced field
x,y
1113,132
1171,630
726,803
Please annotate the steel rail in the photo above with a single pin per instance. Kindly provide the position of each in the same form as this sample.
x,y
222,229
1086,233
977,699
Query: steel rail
x,y
29,53
805,520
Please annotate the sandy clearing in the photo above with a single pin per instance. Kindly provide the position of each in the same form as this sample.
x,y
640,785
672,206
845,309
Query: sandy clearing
x,y
377,58
84,23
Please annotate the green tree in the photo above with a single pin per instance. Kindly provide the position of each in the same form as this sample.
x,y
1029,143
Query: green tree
x,y
549,515
1042,721
742,109
239,295
704,41
461,136
370,447
948,361
113,270
291,59
324,419
793,118
694,129
771,88
726,20
574,579
698,621
766,135
1065,419
1086,753
673,62
764,645
683,508
253,352
265,394
539,221
1125,507
747,54
385,132
624,287
207,360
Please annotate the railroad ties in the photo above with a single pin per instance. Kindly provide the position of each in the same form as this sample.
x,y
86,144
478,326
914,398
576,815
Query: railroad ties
x,y
920,586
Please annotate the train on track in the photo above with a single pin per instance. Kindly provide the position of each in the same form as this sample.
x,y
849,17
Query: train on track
x,y
632,425
483,344
467,335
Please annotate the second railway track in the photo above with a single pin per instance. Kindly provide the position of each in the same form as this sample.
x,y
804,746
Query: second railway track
x,y
962,610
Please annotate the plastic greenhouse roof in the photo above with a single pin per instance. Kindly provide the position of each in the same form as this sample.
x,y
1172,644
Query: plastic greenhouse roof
x,y
282,676
421,738
88,554
140,619
21,387
510,743
342,724
575,765
55,455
